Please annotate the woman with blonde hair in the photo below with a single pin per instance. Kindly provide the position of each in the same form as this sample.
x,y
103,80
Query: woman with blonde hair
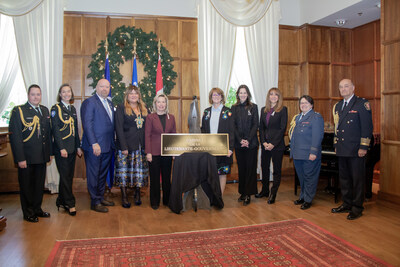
x,y
159,122
273,121
218,119
131,169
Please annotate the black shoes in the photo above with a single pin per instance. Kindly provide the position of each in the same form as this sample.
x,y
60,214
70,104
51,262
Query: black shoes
x,y
107,203
340,209
124,196
353,216
32,219
154,207
299,201
99,208
271,199
261,194
241,198
43,214
136,196
246,200
305,205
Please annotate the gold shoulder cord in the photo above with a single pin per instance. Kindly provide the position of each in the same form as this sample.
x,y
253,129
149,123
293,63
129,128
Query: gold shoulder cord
x,y
335,118
292,125
35,123
70,122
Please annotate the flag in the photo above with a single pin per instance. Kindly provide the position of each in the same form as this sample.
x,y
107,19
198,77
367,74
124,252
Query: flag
x,y
159,79
134,72
110,173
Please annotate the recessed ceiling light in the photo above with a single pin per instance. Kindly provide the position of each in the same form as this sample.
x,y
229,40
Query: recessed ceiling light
x,y
340,22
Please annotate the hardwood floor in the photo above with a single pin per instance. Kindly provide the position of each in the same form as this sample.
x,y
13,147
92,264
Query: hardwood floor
x,y
29,244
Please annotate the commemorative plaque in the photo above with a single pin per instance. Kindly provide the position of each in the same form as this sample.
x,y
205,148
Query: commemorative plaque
x,y
177,144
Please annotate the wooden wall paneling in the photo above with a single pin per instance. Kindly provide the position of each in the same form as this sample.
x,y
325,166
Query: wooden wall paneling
x,y
293,109
389,185
323,106
390,14
364,43
87,89
94,30
318,44
303,44
338,73
176,91
174,107
72,34
117,21
391,111
341,46
167,32
189,40
289,80
378,79
146,24
364,79
377,39
289,44
318,80
304,80
392,63
72,73
375,108
190,78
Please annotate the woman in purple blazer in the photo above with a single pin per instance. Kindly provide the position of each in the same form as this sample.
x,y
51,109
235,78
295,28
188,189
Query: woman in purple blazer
x,y
157,123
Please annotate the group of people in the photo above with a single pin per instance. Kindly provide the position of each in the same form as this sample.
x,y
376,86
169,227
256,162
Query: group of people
x,y
133,135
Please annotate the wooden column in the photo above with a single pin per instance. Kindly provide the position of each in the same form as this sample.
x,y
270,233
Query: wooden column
x,y
390,97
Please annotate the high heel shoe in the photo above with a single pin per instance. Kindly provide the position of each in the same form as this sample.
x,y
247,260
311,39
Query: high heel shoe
x,y
125,203
72,213
271,199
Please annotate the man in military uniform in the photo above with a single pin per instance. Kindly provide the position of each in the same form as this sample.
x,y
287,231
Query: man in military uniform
x,y
30,145
353,131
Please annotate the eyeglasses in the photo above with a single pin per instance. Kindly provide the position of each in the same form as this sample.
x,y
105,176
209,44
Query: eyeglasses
x,y
216,95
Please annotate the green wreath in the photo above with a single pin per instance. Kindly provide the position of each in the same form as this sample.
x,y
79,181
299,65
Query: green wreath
x,y
120,49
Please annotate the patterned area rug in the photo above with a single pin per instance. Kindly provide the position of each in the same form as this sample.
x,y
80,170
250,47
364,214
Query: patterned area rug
x,y
287,243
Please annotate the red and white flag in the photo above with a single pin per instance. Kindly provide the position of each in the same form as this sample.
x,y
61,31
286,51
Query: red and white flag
x,y
159,78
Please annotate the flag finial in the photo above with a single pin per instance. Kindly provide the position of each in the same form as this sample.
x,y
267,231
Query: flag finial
x,y
159,46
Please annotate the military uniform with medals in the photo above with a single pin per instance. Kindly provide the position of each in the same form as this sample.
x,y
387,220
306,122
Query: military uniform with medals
x,y
353,131
30,142
65,134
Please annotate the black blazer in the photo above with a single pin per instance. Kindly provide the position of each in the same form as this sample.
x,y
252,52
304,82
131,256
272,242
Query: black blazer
x,y
65,135
245,124
225,124
274,132
30,142
129,134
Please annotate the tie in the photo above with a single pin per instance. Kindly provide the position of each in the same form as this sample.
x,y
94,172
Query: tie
x,y
107,107
69,107
301,116
38,111
345,105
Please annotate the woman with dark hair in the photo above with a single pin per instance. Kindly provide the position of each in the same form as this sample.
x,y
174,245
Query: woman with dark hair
x,y
245,116
306,133
131,169
218,119
64,123
159,122
273,121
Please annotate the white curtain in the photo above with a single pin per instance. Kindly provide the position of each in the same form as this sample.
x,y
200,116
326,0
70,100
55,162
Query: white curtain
x,y
18,7
241,12
9,55
262,45
39,37
216,47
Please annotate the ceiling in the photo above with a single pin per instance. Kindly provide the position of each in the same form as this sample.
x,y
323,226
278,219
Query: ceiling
x,y
356,15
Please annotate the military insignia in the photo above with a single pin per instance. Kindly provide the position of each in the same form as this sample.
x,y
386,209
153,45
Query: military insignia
x,y
367,106
53,113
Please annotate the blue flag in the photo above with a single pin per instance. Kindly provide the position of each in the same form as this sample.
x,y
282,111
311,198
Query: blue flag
x,y
134,72
110,174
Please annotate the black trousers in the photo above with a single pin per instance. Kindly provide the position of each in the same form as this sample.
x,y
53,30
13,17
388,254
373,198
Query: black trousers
x,y
66,168
160,165
247,167
352,182
277,156
31,184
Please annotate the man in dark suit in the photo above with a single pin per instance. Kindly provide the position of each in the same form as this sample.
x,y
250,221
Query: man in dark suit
x,y
97,115
353,124
30,144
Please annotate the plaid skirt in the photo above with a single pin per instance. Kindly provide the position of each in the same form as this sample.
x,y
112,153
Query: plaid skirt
x,y
131,170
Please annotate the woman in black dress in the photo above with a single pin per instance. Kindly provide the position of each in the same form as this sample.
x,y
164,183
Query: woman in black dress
x,y
245,115
66,146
